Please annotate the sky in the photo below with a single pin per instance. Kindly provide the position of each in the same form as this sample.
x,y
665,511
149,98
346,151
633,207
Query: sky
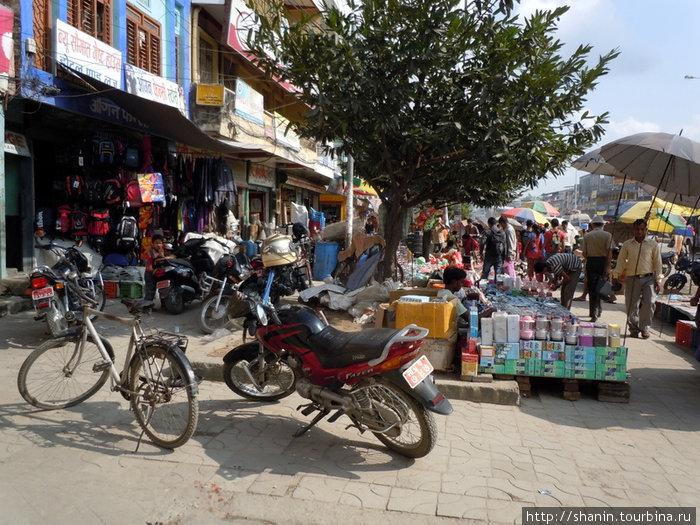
x,y
645,89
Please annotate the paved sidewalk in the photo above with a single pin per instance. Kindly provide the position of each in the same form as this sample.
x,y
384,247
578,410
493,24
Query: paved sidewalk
x,y
79,466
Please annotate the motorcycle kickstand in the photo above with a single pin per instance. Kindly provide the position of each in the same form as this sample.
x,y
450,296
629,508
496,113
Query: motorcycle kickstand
x,y
321,414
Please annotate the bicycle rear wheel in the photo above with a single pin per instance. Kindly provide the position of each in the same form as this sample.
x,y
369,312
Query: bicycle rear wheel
x,y
164,398
62,373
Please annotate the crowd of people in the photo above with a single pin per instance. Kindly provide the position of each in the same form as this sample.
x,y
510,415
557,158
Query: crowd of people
x,y
562,253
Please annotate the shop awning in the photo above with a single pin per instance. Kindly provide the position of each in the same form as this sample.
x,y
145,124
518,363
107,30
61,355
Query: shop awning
x,y
162,120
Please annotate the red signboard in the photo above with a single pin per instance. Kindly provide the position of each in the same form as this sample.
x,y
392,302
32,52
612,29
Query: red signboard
x,y
8,44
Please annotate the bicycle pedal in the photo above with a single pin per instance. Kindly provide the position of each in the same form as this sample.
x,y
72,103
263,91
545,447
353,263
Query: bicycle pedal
x,y
101,367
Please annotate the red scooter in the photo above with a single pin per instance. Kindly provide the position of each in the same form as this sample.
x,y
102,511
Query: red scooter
x,y
375,377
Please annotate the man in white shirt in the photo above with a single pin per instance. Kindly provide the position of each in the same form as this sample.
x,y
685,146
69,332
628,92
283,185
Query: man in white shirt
x,y
639,262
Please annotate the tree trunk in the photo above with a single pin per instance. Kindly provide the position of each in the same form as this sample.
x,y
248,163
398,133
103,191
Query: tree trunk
x,y
393,233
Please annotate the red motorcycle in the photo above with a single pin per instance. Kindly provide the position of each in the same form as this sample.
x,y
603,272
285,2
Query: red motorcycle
x,y
375,377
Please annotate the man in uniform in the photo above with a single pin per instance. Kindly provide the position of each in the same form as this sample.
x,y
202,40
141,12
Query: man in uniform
x,y
597,252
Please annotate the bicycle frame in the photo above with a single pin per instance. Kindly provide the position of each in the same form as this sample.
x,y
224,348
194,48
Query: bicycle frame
x,y
136,333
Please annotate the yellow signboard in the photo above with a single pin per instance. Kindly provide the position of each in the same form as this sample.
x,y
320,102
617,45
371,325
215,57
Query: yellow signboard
x,y
210,95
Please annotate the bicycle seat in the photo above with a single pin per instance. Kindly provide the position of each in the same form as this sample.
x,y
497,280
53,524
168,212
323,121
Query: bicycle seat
x,y
138,305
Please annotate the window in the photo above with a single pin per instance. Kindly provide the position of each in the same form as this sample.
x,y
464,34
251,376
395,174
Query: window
x,y
93,17
208,60
142,41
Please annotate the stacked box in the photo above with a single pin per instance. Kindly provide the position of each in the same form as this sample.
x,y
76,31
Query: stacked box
x,y
470,364
130,290
440,318
111,289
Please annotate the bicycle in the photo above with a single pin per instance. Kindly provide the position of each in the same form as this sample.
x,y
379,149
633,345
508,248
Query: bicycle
x,y
157,378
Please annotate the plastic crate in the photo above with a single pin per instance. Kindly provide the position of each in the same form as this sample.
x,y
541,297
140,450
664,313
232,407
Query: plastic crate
x,y
111,289
130,290
684,332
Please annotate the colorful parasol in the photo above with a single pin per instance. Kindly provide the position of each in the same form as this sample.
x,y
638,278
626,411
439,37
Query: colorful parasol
x,y
543,207
525,214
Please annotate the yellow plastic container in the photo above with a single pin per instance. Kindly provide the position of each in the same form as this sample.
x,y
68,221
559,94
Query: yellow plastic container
x,y
440,318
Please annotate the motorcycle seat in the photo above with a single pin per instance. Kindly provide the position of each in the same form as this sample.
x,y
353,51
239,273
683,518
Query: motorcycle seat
x,y
337,349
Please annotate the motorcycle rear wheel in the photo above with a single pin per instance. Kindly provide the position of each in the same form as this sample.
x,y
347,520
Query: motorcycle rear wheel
x,y
56,317
277,377
174,302
417,432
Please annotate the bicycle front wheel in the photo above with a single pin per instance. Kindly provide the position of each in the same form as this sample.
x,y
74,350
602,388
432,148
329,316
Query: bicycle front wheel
x,y
163,398
62,373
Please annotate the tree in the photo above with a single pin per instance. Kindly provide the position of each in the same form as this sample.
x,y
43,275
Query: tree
x,y
451,100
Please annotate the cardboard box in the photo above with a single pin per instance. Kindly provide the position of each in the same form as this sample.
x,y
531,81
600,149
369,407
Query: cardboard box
x,y
440,352
385,316
438,317
470,364
395,294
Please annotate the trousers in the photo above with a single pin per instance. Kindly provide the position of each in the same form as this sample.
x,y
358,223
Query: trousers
x,y
639,301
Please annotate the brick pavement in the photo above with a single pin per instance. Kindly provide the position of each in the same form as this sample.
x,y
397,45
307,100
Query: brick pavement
x,y
243,465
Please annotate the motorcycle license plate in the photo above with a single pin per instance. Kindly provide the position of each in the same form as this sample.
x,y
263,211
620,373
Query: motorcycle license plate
x,y
418,371
42,294
163,284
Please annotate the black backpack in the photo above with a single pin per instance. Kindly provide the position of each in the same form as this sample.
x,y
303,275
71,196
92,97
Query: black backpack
x,y
93,191
127,232
496,242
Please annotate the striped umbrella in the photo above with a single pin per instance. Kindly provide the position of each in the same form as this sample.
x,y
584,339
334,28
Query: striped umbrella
x,y
661,220
543,207
525,214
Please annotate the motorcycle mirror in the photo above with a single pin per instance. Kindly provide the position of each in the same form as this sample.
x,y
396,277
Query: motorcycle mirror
x,y
261,315
168,246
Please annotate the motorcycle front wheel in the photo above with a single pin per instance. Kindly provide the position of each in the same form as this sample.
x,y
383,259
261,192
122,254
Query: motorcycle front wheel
x,y
212,317
247,376
675,283
412,432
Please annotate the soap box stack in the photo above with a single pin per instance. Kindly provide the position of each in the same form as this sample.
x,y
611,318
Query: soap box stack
x,y
554,359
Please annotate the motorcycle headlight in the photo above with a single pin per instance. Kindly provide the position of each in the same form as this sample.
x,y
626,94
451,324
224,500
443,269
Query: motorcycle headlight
x,y
70,274
261,315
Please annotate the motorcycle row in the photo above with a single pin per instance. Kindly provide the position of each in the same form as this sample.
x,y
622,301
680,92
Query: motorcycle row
x,y
376,377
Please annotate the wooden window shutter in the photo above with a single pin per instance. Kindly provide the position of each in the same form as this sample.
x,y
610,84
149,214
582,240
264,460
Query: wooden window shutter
x,y
154,55
131,43
41,22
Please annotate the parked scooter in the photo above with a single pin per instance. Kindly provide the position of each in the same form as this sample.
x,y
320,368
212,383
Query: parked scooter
x,y
375,377
57,290
178,281
676,282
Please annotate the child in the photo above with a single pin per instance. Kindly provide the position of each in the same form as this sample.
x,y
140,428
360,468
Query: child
x,y
155,254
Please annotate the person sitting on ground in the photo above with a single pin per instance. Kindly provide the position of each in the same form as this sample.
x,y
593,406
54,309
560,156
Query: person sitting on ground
x,y
453,278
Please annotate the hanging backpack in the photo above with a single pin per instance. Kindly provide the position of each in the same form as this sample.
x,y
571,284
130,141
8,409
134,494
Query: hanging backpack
x,y
63,214
93,191
44,221
496,242
133,194
131,157
105,152
127,233
78,223
75,185
98,224
112,192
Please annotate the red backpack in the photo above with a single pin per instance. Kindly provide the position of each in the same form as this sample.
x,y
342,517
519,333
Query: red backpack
x,y
75,186
98,224
63,218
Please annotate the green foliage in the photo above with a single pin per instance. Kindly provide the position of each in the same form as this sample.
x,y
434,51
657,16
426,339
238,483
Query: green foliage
x,y
435,100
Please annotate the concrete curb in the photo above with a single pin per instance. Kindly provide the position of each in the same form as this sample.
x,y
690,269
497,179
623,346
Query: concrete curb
x,y
14,304
499,392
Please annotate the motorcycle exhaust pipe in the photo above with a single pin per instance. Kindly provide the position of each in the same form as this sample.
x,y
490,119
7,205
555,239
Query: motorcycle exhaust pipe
x,y
319,393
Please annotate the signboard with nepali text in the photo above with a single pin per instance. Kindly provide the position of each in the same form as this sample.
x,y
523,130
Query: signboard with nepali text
x,y
87,55
152,87
7,47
